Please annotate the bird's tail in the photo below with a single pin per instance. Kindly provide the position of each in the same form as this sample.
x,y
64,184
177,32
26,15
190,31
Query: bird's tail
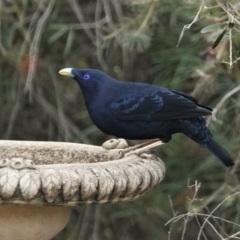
x,y
220,152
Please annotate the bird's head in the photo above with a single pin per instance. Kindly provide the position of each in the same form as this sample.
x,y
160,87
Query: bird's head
x,y
91,81
87,78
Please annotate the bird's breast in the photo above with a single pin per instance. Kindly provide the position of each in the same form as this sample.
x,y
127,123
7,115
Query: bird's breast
x,y
103,119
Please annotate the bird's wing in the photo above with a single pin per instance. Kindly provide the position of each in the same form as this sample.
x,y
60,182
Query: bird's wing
x,y
185,95
163,104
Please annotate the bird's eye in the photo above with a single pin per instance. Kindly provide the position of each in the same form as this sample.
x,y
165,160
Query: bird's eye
x,y
86,76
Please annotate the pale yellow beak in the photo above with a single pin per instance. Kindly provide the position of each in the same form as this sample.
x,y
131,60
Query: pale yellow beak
x,y
66,72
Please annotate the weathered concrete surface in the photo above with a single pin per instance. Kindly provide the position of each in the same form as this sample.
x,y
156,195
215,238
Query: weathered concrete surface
x,y
69,174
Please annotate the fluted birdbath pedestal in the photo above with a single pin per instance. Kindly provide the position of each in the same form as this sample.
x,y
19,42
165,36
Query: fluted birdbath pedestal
x,y
41,181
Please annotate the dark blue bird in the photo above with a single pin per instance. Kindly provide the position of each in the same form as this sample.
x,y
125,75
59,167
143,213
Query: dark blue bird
x,y
143,111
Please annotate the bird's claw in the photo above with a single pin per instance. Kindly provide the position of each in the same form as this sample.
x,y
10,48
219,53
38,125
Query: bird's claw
x,y
130,151
126,152
147,155
140,149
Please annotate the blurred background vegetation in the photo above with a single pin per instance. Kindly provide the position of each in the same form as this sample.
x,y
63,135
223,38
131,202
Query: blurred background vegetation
x,y
132,40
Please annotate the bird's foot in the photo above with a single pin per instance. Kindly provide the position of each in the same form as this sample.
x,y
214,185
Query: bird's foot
x,y
147,155
148,147
143,148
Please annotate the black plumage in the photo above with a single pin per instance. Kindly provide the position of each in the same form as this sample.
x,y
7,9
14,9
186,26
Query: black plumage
x,y
144,111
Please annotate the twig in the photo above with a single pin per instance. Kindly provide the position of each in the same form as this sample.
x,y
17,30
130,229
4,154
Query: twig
x,y
52,112
125,53
96,24
230,21
3,50
78,12
215,218
98,36
35,47
118,10
184,227
220,104
174,214
96,226
147,18
13,116
210,215
228,12
107,12
122,28
197,186
214,229
193,214
31,28
63,127
85,223
76,229
230,48
188,26
199,224
233,236
236,163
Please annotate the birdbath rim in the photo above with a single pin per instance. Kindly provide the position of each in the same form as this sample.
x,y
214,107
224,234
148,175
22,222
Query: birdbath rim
x,y
68,174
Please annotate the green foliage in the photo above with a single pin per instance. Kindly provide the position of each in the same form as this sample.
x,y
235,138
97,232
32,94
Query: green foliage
x,y
130,41
211,27
219,38
135,43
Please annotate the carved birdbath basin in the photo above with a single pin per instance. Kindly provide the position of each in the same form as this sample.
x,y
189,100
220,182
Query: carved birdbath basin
x,y
40,181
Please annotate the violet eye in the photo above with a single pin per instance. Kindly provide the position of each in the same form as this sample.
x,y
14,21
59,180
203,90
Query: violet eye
x,y
86,76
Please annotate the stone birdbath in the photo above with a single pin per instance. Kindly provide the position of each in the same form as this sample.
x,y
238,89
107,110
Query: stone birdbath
x,y
41,181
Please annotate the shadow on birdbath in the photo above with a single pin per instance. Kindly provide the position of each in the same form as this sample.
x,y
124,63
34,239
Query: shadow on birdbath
x,y
41,181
